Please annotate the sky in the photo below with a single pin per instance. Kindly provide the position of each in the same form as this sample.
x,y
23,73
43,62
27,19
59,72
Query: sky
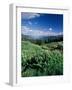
x,y
41,24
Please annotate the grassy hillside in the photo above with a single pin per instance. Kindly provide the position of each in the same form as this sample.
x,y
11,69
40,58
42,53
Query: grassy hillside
x,y
41,60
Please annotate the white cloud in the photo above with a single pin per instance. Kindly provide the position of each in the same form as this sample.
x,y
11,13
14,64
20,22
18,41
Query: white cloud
x,y
50,29
29,15
60,33
30,23
37,33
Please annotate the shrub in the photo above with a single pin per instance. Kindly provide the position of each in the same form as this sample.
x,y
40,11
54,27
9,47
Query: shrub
x,y
39,62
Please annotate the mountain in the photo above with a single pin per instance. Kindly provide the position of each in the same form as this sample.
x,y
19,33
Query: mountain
x,y
46,38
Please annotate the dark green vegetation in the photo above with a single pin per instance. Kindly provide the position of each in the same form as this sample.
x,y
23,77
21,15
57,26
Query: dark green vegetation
x,y
41,58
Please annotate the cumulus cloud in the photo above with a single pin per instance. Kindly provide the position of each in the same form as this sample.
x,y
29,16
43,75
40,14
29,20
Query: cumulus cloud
x,y
50,29
30,23
29,15
37,33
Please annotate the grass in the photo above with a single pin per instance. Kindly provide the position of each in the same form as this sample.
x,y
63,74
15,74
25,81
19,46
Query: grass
x,y
41,60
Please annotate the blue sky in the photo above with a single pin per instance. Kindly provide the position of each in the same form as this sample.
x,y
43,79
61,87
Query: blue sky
x,y
40,24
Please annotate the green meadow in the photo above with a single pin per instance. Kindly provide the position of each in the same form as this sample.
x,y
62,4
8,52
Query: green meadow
x,y
41,59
